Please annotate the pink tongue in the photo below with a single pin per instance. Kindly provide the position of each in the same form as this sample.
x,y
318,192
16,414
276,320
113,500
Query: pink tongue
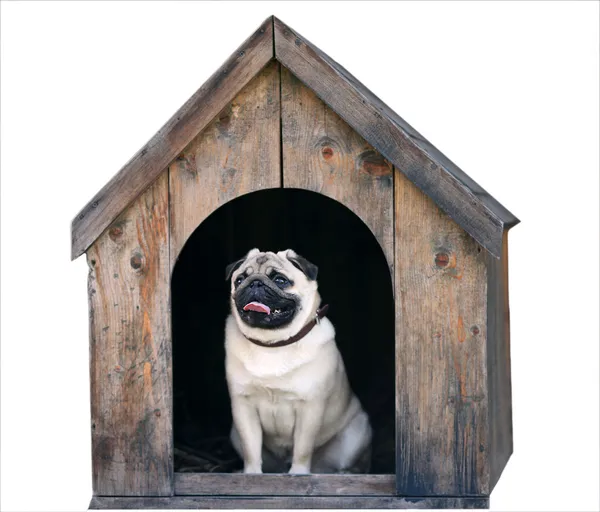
x,y
257,306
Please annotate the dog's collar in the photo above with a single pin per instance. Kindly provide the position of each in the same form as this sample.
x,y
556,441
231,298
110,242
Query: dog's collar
x,y
321,312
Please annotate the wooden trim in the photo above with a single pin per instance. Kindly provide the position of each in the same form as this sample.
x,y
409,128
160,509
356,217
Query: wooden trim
x,y
150,161
468,204
288,502
498,365
239,484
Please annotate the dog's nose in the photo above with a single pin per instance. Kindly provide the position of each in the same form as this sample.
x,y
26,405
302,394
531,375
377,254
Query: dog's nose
x,y
257,283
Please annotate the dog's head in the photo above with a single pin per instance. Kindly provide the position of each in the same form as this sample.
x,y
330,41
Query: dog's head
x,y
272,294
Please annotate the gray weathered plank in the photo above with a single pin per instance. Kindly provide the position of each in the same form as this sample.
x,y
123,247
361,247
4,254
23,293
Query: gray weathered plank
x,y
289,502
227,484
239,152
442,436
498,364
130,351
146,165
323,154
453,191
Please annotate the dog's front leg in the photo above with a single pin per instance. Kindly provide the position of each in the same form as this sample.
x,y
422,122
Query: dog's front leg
x,y
309,416
247,423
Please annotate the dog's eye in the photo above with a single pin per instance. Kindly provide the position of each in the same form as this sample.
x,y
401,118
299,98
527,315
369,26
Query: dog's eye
x,y
280,280
239,280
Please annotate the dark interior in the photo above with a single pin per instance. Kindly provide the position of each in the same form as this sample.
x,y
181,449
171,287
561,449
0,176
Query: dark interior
x,y
354,280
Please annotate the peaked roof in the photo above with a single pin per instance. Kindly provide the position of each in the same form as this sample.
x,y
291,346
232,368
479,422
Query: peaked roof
x,y
469,205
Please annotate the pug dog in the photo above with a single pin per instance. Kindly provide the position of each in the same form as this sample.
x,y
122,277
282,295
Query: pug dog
x,y
293,409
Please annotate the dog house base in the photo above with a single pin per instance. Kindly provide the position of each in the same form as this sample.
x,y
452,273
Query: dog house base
x,y
286,502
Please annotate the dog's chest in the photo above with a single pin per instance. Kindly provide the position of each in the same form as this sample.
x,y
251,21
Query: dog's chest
x,y
272,377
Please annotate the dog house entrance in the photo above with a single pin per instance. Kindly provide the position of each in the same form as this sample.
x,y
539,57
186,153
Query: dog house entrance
x,y
354,279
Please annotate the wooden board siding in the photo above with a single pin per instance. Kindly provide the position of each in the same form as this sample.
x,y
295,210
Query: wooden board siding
x,y
236,484
236,154
289,502
150,161
442,436
465,201
323,154
130,351
498,361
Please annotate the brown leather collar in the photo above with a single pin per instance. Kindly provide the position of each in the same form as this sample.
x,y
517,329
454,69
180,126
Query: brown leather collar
x,y
321,312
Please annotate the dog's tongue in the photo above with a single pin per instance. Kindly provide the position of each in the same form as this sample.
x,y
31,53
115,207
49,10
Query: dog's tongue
x,y
257,306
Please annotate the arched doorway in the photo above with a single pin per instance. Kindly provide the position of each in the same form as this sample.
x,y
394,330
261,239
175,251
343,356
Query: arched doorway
x,y
354,279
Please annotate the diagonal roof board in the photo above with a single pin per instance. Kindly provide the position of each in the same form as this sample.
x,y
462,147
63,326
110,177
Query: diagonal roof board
x,y
468,204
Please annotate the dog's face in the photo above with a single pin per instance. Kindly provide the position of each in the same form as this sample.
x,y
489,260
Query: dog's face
x,y
272,290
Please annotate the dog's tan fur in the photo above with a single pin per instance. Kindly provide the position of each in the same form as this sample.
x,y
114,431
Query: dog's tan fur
x,y
292,404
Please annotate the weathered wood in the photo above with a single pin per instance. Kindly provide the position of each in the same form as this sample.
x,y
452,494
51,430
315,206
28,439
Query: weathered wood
x,y
323,154
498,364
130,351
291,502
442,436
239,152
146,165
453,191
240,484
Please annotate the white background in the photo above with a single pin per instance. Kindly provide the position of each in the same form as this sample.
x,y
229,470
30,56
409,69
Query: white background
x,y
509,91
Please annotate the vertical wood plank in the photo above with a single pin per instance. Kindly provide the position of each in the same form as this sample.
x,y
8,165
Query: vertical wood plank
x,y
442,437
130,351
236,154
498,364
323,154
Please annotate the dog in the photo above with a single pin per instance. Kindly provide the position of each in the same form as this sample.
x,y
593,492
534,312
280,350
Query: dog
x,y
292,406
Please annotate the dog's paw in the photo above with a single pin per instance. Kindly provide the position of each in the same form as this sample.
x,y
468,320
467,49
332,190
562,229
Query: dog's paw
x,y
299,469
253,469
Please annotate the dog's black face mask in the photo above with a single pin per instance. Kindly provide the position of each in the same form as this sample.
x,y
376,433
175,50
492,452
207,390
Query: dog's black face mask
x,y
262,302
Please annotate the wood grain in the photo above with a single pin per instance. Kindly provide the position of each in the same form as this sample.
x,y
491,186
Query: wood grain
x,y
226,484
442,435
130,351
237,153
146,165
288,502
498,364
478,213
323,154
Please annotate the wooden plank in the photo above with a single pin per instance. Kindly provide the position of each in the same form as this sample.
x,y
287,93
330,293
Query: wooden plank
x,y
442,437
146,165
239,152
130,351
478,213
498,364
227,484
323,154
287,502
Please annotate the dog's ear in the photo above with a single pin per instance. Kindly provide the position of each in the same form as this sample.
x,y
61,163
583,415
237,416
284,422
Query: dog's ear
x,y
302,264
232,267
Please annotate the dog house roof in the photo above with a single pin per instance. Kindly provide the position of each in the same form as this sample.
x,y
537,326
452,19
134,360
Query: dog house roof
x,y
468,204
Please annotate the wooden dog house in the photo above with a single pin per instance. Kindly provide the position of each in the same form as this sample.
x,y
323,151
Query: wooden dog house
x,y
280,114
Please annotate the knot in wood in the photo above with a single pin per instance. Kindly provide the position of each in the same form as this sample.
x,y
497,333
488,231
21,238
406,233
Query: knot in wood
x,y
327,152
475,330
136,261
373,164
442,259
115,233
